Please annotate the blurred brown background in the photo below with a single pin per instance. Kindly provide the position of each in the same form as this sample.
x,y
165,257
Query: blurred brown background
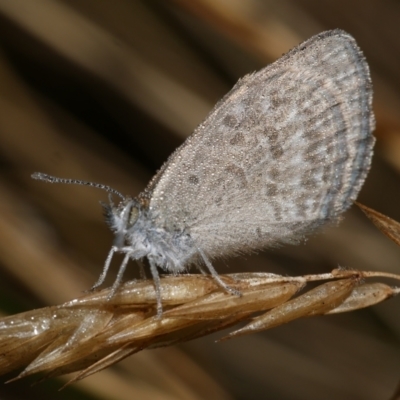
x,y
104,91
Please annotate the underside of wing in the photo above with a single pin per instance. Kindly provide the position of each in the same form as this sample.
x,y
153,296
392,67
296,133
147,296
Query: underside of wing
x,y
287,149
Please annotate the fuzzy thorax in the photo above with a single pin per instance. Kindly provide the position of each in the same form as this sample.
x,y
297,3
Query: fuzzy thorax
x,y
137,235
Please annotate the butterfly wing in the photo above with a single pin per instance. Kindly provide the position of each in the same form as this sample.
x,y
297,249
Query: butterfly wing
x,y
286,150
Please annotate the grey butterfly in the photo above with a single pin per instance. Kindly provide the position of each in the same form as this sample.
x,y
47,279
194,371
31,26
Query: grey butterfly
x,y
285,151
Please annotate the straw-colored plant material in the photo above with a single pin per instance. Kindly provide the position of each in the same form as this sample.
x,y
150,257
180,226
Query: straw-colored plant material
x,y
93,332
386,225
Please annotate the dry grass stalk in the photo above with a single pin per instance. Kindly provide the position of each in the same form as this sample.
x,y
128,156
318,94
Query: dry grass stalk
x,y
386,225
91,333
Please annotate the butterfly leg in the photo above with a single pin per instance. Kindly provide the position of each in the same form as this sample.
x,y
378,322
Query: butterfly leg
x,y
215,275
120,274
142,271
156,280
201,269
106,267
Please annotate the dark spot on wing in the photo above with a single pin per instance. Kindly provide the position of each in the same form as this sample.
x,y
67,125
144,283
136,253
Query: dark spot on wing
x,y
276,151
193,179
230,121
237,139
272,189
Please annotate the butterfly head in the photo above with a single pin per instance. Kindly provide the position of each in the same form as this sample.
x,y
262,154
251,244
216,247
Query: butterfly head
x,y
122,218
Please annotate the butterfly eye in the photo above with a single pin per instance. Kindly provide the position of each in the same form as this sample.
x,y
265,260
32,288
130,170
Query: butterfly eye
x,y
133,215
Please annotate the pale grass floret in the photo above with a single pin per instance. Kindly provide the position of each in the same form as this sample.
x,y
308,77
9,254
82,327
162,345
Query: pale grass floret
x,y
95,331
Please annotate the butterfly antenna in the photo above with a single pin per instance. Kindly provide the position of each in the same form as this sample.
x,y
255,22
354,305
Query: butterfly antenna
x,y
40,176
